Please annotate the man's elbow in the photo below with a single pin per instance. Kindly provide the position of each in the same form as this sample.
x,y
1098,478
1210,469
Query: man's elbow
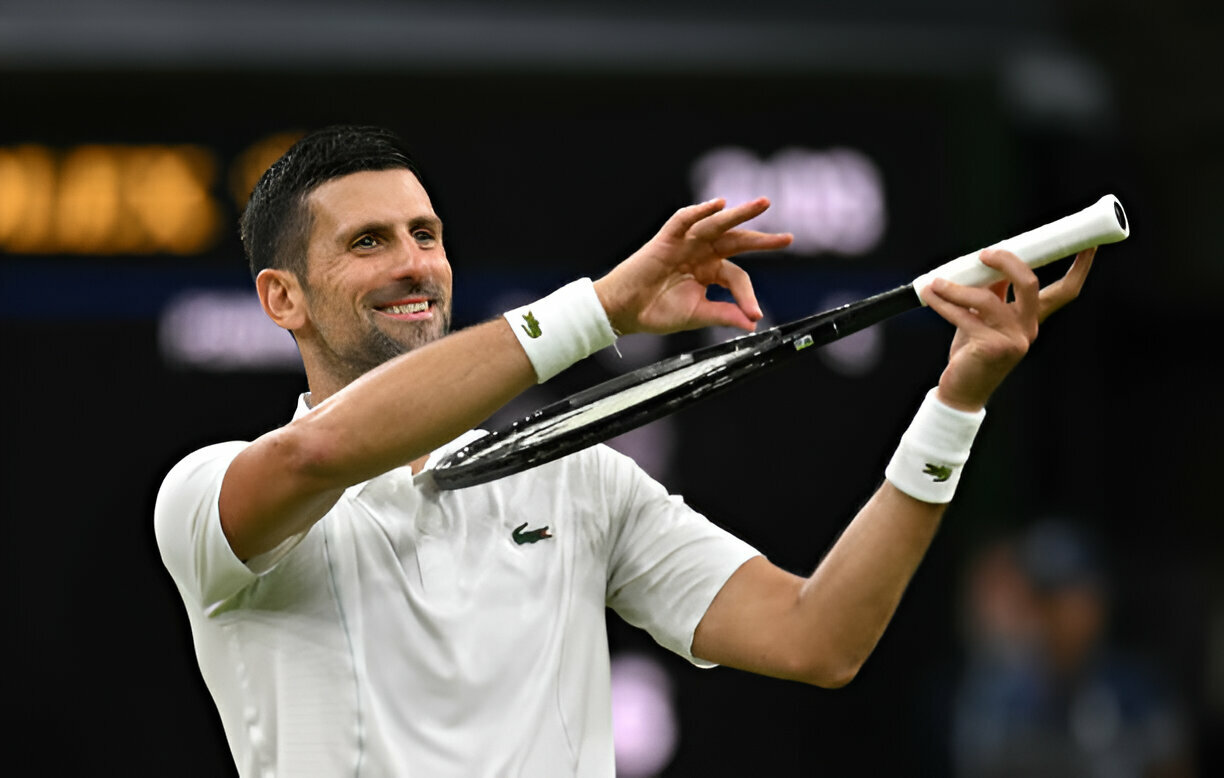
x,y
829,673
832,680
836,680
313,458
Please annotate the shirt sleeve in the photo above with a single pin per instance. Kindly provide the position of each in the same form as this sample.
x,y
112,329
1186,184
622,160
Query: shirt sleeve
x,y
187,522
667,561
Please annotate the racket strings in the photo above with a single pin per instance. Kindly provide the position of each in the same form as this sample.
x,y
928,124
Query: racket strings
x,y
606,407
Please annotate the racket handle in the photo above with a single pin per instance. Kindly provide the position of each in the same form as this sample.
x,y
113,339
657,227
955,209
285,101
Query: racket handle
x,y
1098,224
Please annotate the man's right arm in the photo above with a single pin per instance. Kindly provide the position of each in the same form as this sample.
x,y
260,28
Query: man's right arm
x,y
288,479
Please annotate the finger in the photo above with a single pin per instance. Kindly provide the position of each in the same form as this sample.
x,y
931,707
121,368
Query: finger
x,y
736,280
715,225
939,298
683,220
1067,288
977,301
741,241
709,313
1024,283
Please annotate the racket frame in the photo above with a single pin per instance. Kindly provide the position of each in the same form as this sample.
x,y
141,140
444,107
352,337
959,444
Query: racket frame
x,y
518,446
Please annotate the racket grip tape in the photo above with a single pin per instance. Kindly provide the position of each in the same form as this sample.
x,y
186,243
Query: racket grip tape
x,y
558,330
1100,223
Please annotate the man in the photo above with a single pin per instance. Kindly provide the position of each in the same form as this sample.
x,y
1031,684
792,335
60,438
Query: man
x,y
1048,689
351,619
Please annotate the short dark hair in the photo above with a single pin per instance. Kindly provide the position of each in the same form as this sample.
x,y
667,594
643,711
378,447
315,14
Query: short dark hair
x,y
275,225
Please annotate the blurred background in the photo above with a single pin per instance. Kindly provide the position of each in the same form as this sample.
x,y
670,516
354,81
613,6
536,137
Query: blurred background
x,y
1069,619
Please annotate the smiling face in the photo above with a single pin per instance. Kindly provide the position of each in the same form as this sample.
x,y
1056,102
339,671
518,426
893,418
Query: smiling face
x,y
377,283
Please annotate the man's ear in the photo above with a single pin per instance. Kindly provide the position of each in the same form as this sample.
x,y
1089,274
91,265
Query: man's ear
x,y
282,298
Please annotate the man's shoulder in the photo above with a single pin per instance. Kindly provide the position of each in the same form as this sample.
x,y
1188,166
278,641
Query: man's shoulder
x,y
203,461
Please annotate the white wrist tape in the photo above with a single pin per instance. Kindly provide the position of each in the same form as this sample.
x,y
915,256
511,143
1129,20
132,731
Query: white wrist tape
x,y
568,325
927,464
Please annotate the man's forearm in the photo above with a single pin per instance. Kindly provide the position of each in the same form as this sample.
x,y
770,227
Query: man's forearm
x,y
286,480
854,592
821,629
409,406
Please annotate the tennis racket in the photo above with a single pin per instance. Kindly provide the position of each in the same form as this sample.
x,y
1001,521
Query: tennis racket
x,y
641,396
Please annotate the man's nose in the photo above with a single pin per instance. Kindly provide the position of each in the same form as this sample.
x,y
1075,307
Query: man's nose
x,y
412,260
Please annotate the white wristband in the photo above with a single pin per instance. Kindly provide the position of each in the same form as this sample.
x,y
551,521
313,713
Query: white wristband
x,y
927,463
568,325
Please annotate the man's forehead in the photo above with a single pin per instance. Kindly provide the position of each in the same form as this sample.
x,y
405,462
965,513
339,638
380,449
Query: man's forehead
x,y
369,195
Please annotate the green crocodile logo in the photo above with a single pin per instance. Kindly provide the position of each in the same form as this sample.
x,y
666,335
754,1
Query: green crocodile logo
x,y
533,327
530,536
939,473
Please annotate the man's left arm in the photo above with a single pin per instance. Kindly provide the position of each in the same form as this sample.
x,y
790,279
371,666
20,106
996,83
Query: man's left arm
x,y
821,629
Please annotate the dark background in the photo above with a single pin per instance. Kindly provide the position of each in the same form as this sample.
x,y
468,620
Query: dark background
x,y
555,138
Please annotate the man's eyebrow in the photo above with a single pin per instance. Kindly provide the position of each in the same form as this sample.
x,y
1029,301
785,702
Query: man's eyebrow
x,y
428,222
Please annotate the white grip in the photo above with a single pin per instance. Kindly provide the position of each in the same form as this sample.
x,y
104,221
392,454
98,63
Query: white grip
x,y
1100,223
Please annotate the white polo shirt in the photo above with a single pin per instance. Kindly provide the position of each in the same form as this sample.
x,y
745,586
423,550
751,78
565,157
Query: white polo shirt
x,y
407,633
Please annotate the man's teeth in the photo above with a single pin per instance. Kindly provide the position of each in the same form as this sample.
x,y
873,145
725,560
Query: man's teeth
x,y
408,307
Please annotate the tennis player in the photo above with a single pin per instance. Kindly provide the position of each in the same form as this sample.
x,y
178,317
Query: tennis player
x,y
350,618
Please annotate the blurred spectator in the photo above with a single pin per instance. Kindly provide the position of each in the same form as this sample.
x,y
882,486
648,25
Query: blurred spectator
x,y
1045,691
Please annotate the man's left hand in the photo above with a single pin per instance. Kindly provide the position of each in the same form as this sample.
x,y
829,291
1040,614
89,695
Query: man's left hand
x,y
992,334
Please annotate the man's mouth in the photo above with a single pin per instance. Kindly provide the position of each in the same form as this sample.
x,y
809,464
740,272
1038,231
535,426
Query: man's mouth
x,y
408,309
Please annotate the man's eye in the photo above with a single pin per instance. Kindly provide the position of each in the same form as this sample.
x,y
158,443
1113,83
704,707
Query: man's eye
x,y
365,242
423,236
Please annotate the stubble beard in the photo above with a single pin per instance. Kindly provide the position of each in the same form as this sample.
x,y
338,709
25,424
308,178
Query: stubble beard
x,y
382,347
378,347
375,346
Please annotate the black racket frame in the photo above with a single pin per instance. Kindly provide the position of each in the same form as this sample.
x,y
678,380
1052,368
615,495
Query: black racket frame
x,y
466,466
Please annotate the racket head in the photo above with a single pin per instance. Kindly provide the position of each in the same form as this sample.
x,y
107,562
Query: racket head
x,y
604,411
641,396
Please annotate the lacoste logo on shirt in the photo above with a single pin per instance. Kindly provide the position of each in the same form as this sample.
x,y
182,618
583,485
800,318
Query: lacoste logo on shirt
x,y
533,327
530,536
938,473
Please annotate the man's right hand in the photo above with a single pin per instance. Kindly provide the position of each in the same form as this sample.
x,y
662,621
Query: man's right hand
x,y
662,287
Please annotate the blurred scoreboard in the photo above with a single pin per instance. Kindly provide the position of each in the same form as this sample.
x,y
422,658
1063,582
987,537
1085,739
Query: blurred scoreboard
x,y
123,199
556,171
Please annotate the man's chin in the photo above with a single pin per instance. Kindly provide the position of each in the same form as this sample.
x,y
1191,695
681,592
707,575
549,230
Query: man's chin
x,y
402,342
